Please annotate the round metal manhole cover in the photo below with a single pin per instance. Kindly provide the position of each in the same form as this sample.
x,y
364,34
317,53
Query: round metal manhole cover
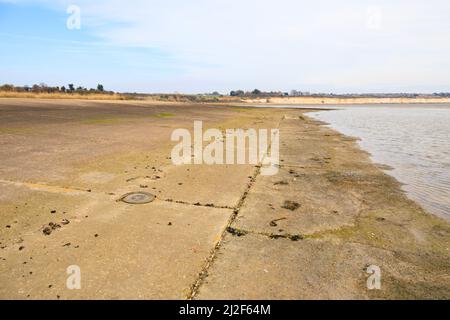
x,y
138,198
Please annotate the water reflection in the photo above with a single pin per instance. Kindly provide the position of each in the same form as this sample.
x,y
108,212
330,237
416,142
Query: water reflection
x,y
414,140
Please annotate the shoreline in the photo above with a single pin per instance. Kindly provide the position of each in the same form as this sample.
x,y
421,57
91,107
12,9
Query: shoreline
x,y
345,101
217,232
224,100
407,170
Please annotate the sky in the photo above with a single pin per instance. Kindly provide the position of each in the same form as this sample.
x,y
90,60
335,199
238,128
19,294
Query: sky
x,y
198,46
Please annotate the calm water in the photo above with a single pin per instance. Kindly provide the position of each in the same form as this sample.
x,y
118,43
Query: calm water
x,y
412,139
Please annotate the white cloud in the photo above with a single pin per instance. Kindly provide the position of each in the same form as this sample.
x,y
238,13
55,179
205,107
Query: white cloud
x,y
284,44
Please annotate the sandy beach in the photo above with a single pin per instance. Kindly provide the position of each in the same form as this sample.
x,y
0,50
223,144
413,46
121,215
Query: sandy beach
x,y
213,232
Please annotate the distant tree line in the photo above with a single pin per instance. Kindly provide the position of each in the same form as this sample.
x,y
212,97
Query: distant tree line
x,y
43,88
214,96
257,93
442,94
297,93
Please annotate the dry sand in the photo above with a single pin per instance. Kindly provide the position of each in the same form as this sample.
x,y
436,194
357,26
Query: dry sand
x,y
214,231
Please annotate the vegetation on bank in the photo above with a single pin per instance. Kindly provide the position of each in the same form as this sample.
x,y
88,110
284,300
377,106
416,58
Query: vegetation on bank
x,y
49,92
256,93
78,92
71,91
43,88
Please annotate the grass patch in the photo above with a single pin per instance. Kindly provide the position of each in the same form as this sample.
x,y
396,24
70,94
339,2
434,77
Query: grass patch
x,y
162,115
239,109
15,130
118,120
102,121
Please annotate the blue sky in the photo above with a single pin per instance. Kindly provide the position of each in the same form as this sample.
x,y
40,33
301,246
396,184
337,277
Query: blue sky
x,y
218,45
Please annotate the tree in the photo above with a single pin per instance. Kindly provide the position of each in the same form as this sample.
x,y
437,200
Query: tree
x,y
256,92
36,88
100,88
80,89
237,93
71,87
63,89
7,87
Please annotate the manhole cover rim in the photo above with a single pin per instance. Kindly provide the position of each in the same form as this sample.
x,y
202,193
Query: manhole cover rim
x,y
146,197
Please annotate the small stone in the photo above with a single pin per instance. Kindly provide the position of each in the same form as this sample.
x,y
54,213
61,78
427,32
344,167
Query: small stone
x,y
291,205
54,226
236,232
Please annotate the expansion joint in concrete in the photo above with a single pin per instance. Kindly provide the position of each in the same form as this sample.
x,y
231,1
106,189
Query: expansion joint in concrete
x,y
198,204
204,271
242,232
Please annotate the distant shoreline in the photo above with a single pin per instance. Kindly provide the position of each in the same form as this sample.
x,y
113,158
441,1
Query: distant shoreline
x,y
220,100
330,101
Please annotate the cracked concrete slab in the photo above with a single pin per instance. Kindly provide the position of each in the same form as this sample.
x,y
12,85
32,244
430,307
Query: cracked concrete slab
x,y
322,205
255,267
203,184
151,251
